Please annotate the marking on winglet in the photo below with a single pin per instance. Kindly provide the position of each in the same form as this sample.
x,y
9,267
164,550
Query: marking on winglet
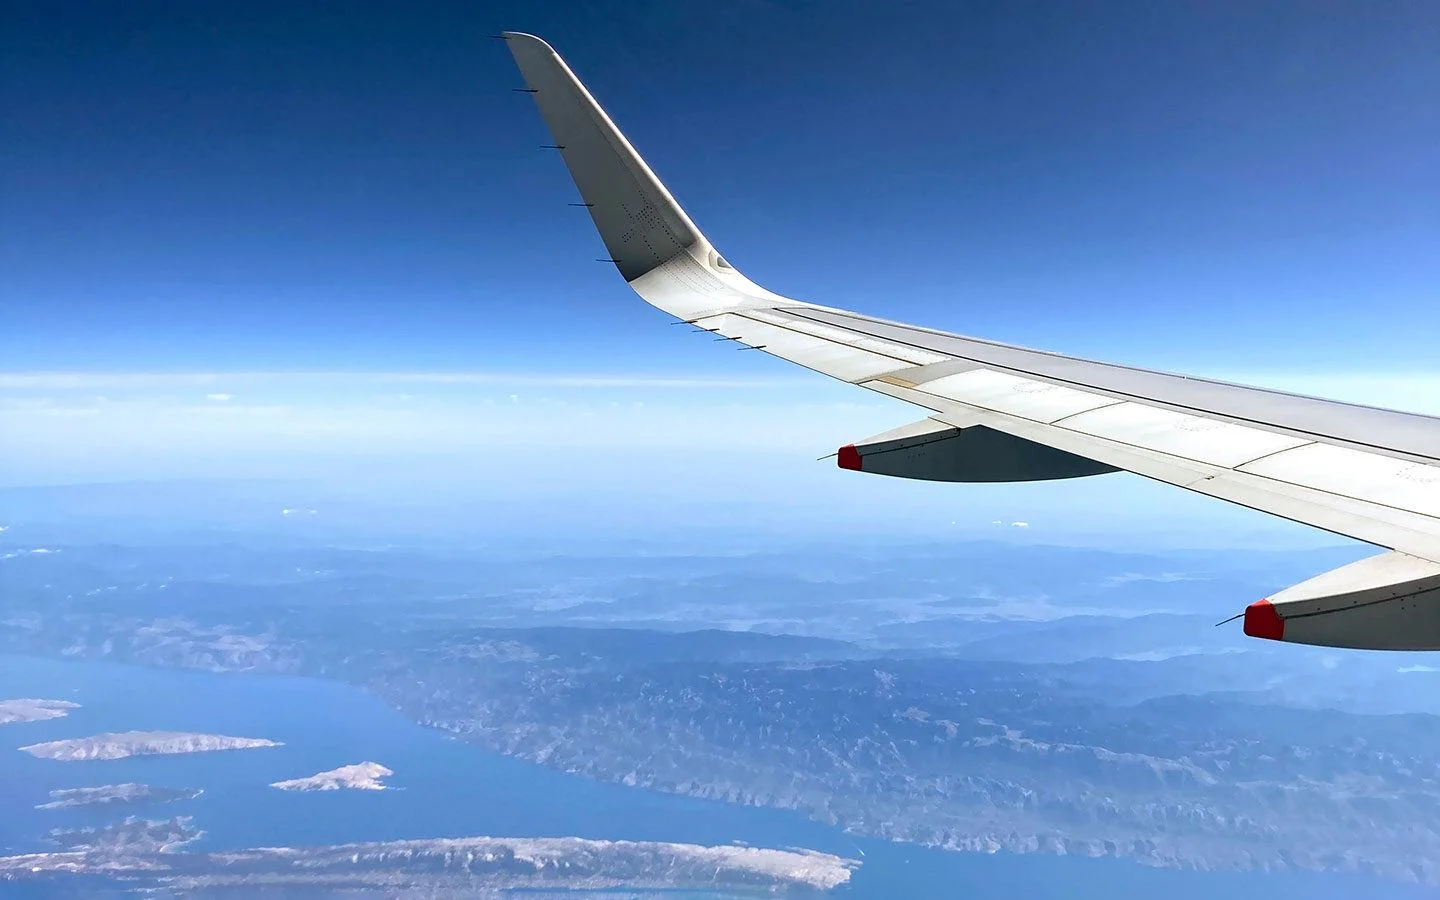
x,y
847,457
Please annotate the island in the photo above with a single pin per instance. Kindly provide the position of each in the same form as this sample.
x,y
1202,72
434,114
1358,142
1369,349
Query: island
x,y
119,745
146,857
363,776
116,795
130,838
12,711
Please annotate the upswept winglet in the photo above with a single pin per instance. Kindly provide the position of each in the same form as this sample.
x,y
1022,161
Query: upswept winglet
x,y
642,225
654,244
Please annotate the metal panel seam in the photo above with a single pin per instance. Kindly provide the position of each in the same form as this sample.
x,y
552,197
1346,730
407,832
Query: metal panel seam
x,y
1259,424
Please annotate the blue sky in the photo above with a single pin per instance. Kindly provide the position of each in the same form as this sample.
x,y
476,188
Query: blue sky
x,y
203,200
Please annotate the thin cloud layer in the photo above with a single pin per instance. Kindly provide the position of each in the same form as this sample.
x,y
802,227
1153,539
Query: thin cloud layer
x,y
637,440
168,381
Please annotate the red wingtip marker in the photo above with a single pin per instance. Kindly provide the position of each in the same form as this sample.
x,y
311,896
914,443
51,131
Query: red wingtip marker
x,y
849,458
1262,621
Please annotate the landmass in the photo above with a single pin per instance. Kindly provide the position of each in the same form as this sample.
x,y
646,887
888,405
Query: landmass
x,y
962,717
12,711
116,795
363,776
120,745
132,837
142,854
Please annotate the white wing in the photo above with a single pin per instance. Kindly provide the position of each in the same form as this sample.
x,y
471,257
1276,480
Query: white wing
x,y
1003,413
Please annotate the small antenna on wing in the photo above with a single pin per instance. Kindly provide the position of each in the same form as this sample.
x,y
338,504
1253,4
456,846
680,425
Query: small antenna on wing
x,y
1231,619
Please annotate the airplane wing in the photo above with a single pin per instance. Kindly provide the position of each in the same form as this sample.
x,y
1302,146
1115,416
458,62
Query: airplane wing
x,y
996,412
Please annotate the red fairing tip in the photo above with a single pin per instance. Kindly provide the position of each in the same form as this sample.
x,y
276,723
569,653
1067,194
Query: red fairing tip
x,y
849,458
1262,621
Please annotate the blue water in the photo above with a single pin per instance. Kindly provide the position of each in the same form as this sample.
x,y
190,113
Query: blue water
x,y
446,788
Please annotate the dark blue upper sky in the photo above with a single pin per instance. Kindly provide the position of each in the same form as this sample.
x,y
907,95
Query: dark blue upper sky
x,y
353,185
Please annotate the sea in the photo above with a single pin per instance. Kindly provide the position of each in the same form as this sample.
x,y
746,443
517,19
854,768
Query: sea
x,y
444,787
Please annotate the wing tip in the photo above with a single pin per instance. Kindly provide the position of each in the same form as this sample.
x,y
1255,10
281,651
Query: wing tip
x,y
524,45
525,36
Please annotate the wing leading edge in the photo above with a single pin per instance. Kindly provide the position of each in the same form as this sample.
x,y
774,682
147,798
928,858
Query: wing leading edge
x,y
1001,412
